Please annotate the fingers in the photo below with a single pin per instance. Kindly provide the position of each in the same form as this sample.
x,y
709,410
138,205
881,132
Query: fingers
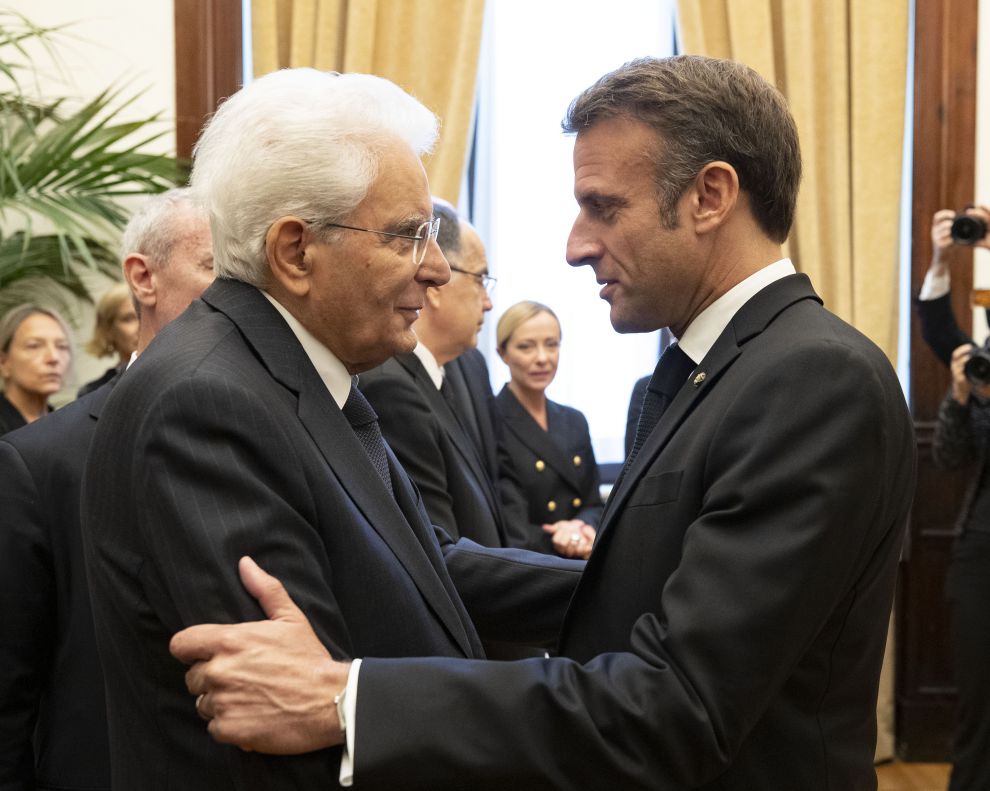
x,y
269,592
194,644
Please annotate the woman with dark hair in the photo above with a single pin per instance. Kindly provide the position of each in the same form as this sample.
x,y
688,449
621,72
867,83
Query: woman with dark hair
x,y
115,333
548,476
35,353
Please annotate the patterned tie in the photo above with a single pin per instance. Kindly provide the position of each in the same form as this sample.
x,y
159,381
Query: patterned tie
x,y
364,421
668,377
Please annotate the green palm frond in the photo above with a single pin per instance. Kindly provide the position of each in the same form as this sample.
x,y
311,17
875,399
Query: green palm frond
x,y
66,173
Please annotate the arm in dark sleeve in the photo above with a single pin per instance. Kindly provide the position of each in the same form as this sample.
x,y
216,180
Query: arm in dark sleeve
x,y
759,580
953,445
939,327
28,600
512,595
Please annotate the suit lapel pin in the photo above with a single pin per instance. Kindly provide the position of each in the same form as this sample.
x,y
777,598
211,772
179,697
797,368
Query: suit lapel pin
x,y
699,379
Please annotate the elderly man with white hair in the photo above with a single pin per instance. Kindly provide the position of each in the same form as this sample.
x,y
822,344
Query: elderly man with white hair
x,y
240,432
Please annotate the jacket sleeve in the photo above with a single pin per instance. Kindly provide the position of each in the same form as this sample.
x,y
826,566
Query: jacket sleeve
x,y
28,599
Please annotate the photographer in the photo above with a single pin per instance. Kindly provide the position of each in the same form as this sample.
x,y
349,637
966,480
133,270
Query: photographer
x,y
938,324
961,433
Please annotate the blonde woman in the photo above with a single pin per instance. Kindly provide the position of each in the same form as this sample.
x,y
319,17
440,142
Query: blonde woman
x,y
115,333
35,354
547,469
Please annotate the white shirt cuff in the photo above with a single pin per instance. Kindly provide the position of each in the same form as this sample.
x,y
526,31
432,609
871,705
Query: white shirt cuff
x,y
347,713
934,286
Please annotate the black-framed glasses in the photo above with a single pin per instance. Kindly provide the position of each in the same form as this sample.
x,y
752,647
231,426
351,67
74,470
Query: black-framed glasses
x,y
421,239
487,282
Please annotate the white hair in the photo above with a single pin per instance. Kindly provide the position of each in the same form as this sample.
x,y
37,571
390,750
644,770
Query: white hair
x,y
296,142
156,226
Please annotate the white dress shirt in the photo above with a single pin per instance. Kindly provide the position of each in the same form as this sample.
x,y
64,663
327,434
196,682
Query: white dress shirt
x,y
702,333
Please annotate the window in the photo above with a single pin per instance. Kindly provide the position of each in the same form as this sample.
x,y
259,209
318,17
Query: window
x,y
535,58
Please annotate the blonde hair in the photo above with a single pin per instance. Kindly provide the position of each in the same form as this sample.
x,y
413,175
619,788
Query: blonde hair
x,y
101,343
518,314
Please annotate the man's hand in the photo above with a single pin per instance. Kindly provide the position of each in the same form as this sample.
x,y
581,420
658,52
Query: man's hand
x,y
941,234
572,538
267,686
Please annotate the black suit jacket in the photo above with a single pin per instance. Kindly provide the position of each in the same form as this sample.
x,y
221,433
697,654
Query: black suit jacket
x,y
53,724
545,476
729,629
474,370
223,441
436,452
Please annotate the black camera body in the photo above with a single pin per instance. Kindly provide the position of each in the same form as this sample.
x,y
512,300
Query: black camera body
x,y
967,229
977,368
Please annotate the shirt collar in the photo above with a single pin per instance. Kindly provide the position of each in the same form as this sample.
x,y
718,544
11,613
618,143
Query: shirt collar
x,y
702,333
331,370
426,357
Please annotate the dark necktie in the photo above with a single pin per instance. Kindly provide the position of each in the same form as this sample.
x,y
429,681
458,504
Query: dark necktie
x,y
364,421
670,374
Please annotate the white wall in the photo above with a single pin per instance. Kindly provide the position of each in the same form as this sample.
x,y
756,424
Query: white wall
x,y
110,42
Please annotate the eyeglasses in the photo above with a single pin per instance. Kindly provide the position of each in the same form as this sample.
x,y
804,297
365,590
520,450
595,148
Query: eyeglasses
x,y
487,282
421,239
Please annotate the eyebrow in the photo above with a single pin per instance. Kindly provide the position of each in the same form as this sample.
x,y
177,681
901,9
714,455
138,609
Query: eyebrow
x,y
601,199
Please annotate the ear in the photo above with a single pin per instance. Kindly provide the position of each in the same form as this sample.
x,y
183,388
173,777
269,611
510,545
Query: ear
x,y
286,246
140,280
501,353
714,196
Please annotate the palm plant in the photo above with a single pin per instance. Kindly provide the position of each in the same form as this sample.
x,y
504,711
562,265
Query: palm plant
x,y
63,174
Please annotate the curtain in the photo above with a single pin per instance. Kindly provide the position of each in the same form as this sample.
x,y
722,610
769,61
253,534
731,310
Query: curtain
x,y
842,66
429,47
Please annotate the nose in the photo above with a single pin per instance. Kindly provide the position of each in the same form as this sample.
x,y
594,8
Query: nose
x,y
582,247
486,304
541,353
434,269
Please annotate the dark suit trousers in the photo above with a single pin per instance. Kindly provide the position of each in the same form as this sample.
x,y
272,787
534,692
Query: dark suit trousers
x,y
969,597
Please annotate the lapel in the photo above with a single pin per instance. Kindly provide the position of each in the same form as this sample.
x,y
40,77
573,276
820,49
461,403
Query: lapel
x,y
750,320
461,441
529,433
280,352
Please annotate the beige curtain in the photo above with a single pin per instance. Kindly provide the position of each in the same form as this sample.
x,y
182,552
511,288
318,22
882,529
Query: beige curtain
x,y
842,66
429,47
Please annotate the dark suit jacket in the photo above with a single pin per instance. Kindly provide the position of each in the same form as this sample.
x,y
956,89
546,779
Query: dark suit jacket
x,y
436,452
221,441
51,683
10,417
545,476
473,368
729,629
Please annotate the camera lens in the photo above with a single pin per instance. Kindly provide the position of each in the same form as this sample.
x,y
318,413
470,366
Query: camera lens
x,y
977,368
967,229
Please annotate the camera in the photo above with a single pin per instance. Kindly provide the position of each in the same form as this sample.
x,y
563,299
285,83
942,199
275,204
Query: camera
x,y
977,368
967,229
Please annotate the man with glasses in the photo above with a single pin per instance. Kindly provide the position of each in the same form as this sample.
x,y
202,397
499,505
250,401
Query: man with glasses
x,y
419,409
240,432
